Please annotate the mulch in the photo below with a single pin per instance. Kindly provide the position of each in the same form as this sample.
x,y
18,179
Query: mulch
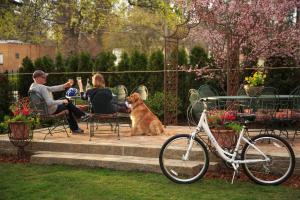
x,y
223,173
226,174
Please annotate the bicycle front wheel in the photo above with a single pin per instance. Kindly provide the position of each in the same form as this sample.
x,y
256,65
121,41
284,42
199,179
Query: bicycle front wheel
x,y
281,162
177,166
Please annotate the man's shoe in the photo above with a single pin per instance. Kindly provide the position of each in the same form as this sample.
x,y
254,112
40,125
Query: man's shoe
x,y
85,117
78,131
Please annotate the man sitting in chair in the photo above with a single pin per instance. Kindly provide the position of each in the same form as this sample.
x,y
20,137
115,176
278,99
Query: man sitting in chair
x,y
101,97
57,106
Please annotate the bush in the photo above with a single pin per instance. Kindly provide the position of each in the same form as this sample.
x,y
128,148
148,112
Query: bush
x,y
105,61
156,104
138,62
198,57
4,96
182,57
284,80
156,80
25,80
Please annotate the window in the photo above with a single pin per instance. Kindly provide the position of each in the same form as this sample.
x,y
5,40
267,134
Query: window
x,y
1,59
17,55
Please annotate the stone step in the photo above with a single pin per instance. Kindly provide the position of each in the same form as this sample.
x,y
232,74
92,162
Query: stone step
x,y
149,151
117,162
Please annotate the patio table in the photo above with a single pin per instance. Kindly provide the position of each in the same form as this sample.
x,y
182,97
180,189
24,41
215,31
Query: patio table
x,y
279,111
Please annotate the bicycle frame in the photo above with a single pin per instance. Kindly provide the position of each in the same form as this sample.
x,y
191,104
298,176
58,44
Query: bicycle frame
x,y
228,157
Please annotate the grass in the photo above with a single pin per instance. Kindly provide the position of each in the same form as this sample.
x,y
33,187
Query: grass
x,y
27,181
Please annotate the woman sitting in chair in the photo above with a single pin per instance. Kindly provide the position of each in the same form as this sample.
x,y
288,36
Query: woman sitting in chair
x,y
101,98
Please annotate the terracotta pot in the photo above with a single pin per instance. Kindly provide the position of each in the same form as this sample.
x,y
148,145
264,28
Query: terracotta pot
x,y
19,130
225,137
253,91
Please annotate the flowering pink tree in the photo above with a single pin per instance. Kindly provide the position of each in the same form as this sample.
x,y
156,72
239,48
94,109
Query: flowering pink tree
x,y
253,28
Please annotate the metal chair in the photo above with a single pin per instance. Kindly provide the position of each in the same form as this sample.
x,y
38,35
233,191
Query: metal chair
x,y
195,108
39,108
121,93
142,90
101,114
265,107
295,110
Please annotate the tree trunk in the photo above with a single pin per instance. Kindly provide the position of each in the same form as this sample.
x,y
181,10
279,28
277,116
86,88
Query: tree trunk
x,y
233,75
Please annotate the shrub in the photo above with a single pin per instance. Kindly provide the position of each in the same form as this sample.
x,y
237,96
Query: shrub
x,y
198,57
156,104
104,61
4,96
182,57
156,80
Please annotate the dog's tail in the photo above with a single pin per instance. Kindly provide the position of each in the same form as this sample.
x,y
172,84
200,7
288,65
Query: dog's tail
x,y
157,128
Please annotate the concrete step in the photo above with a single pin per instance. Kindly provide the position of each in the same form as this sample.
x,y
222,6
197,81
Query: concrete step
x,y
117,162
149,151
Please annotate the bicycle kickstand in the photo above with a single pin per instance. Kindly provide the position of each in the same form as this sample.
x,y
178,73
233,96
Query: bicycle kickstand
x,y
235,173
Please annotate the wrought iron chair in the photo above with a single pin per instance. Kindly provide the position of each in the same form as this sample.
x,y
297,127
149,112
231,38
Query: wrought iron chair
x,y
120,92
265,107
101,115
39,108
142,90
295,110
195,108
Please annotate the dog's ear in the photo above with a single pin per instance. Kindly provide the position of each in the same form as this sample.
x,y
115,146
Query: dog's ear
x,y
136,96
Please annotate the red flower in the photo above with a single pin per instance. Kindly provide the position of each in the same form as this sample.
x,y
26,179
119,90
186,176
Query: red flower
x,y
16,112
25,111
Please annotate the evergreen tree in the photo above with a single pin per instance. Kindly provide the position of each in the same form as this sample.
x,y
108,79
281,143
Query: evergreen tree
x,y
156,80
25,80
105,61
4,96
198,57
85,62
124,65
182,57
138,62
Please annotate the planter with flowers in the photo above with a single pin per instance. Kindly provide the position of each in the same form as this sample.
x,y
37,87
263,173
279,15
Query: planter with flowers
x,y
255,84
21,124
224,128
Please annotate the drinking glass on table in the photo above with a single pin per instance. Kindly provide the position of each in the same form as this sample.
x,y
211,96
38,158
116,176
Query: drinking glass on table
x,y
79,82
71,81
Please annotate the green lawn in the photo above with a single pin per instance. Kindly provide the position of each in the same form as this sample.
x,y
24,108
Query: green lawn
x,y
19,181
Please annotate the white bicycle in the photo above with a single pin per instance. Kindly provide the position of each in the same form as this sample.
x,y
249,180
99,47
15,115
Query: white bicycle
x,y
266,159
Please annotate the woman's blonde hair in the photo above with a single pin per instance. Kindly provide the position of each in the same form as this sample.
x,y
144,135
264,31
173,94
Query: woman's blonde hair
x,y
98,81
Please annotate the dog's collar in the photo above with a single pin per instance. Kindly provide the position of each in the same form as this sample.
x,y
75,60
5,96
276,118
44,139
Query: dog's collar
x,y
137,104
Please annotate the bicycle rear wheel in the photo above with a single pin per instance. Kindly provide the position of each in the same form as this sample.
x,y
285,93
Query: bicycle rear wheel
x,y
178,169
281,164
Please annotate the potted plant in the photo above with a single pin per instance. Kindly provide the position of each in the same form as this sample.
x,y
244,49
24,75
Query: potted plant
x,y
255,84
21,123
224,127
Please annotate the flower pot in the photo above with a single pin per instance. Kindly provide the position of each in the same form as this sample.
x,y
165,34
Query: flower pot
x,y
19,130
253,91
225,137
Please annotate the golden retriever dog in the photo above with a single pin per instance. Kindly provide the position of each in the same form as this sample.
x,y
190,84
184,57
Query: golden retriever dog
x,y
144,122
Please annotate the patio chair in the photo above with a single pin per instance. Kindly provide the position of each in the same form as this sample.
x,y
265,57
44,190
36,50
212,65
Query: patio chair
x,y
120,92
39,108
100,114
295,110
265,107
195,108
142,90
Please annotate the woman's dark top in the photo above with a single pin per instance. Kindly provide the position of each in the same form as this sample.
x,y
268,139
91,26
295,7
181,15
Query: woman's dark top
x,y
102,101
